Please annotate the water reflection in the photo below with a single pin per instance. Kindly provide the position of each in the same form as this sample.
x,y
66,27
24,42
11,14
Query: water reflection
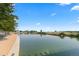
x,y
71,37
42,45
41,35
77,38
62,37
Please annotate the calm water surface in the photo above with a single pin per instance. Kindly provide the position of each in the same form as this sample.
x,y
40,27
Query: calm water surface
x,y
47,45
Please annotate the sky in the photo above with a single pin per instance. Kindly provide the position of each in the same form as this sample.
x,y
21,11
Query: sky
x,y
48,16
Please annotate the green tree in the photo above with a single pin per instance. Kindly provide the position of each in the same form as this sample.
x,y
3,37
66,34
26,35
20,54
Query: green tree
x,y
7,18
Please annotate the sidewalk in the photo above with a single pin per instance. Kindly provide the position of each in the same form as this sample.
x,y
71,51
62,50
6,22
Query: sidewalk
x,y
6,44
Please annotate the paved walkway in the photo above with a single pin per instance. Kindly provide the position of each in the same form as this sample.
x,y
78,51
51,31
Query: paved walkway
x,y
6,44
15,48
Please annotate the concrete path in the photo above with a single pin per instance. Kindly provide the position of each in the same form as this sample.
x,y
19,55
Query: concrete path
x,y
7,43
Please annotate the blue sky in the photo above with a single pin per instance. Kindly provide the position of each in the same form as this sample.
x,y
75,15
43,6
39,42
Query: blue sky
x,y
48,16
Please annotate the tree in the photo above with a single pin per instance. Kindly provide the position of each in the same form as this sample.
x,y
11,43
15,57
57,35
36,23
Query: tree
x,y
7,18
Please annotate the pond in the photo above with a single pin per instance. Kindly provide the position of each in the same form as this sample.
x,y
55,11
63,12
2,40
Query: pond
x,y
48,45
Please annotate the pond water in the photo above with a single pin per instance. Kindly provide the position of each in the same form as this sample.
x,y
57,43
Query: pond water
x,y
48,45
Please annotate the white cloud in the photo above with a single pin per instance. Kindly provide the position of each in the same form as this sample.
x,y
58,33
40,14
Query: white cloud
x,y
38,24
78,21
75,8
63,4
53,14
